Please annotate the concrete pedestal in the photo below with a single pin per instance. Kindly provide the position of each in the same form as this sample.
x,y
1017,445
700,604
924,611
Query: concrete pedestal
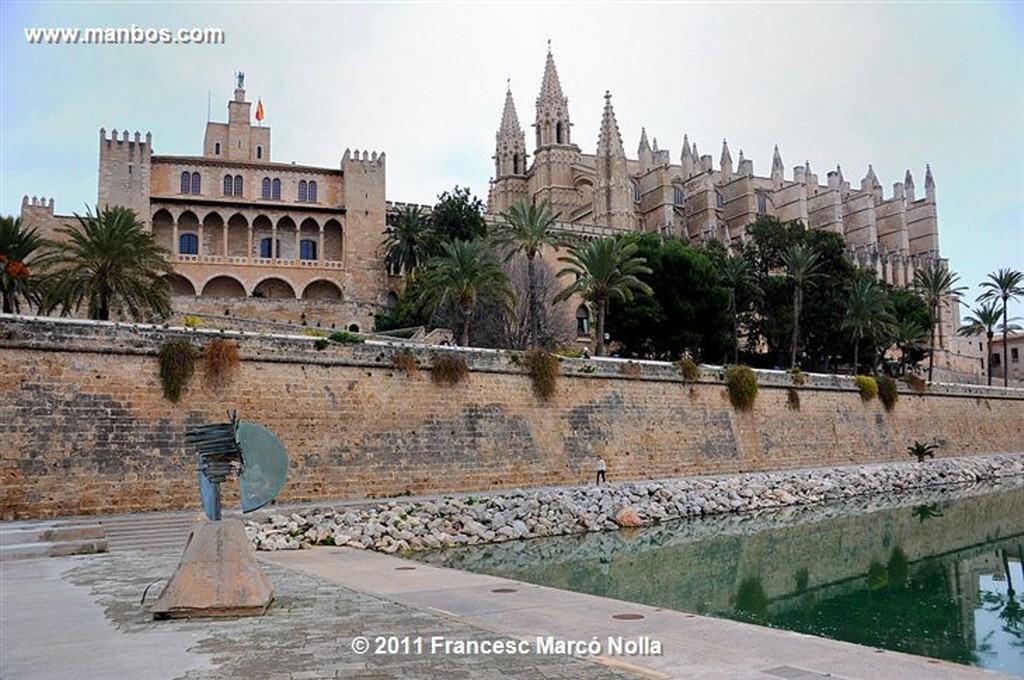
x,y
218,576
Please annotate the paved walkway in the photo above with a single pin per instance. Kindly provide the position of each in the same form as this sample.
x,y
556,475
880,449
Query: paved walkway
x,y
82,617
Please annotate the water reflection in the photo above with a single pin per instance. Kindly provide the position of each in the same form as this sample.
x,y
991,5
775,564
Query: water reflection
x,y
934,573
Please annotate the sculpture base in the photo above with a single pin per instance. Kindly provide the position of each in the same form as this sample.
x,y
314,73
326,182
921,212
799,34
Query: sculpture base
x,y
218,576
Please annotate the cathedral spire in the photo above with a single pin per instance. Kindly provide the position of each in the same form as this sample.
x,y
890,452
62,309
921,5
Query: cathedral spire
x,y
929,184
553,126
777,166
908,187
725,163
510,142
613,194
609,141
509,119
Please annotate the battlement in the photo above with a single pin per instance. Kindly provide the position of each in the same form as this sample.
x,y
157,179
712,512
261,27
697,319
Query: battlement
x,y
39,205
114,144
367,158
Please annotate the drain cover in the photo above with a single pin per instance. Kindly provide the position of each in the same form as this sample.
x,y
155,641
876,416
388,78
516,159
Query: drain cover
x,y
628,617
505,590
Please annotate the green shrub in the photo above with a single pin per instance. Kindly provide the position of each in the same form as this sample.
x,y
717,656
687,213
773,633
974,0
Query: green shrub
x,y
406,361
321,343
177,364
193,322
742,386
345,338
543,369
793,399
448,369
799,377
220,359
888,393
868,387
688,367
922,451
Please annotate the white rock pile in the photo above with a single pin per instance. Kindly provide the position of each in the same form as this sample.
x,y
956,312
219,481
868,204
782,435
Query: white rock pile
x,y
395,525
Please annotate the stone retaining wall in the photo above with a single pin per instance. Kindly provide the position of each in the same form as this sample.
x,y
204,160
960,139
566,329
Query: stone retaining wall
x,y
84,427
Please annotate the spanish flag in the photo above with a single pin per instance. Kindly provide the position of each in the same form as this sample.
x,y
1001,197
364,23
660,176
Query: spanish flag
x,y
259,110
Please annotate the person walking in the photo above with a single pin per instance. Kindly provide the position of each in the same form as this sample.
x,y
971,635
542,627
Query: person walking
x,y
601,469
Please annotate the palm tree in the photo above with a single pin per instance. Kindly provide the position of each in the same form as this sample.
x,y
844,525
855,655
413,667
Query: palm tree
x,y
405,239
867,314
984,320
1006,285
604,268
909,335
112,264
734,272
802,265
935,283
19,248
461,275
527,229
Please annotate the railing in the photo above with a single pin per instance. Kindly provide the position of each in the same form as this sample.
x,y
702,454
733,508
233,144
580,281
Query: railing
x,y
257,261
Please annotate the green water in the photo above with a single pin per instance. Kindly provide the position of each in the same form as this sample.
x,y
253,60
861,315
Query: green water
x,y
936,574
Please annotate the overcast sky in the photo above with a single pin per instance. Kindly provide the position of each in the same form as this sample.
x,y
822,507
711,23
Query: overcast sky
x,y
894,85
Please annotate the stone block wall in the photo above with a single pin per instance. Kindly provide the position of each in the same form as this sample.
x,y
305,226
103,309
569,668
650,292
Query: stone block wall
x,y
85,429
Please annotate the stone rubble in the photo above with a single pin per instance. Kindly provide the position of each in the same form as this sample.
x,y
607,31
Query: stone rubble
x,y
394,526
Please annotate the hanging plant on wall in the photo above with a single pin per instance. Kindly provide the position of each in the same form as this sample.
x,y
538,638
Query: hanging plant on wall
x,y
741,382
543,369
177,364
221,360
888,392
448,369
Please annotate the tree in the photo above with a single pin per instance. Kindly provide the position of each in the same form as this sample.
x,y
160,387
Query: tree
x,y
406,238
22,253
457,215
460,276
867,313
604,268
984,320
935,283
734,273
527,229
112,264
801,264
1006,284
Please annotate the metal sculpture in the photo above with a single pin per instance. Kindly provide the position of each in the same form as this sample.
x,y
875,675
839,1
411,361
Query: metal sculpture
x,y
251,450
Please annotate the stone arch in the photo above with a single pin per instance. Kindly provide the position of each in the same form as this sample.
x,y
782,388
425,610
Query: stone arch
x,y
262,228
582,321
322,290
179,286
224,287
392,301
309,235
286,232
353,328
188,223
213,234
163,229
274,288
238,236
333,241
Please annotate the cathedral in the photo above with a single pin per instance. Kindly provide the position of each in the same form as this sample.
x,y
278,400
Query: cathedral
x,y
606,193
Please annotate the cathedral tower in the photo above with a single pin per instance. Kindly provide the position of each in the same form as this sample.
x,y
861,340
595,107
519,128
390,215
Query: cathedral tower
x,y
509,184
552,173
613,192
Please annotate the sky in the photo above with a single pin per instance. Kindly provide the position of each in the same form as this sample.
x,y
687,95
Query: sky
x,y
894,85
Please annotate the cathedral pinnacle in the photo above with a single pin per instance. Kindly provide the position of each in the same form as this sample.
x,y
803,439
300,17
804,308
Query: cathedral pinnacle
x,y
509,119
609,141
550,87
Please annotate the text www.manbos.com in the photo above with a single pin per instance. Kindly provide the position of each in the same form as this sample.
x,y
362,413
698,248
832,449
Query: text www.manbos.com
x,y
124,35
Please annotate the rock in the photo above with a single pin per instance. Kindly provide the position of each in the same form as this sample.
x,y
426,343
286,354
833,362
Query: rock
x,y
627,517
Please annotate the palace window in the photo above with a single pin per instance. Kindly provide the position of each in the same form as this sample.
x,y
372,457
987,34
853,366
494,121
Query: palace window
x,y
188,244
266,188
216,149
228,185
1014,355
277,189
995,359
186,183
259,152
196,186
307,249
582,321
311,194
302,191
266,250
238,185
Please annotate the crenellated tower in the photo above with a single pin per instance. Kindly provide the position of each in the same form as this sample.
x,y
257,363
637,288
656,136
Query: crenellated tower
x,y
510,161
238,140
124,171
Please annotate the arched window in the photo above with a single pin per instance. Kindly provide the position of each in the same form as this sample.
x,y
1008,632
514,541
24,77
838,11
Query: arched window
x,y
188,244
228,185
762,203
277,189
186,183
196,186
311,197
259,152
558,132
636,190
302,191
307,249
678,197
216,149
515,164
238,185
582,321
266,250
266,188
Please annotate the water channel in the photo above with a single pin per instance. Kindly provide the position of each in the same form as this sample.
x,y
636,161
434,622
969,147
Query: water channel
x,y
935,573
